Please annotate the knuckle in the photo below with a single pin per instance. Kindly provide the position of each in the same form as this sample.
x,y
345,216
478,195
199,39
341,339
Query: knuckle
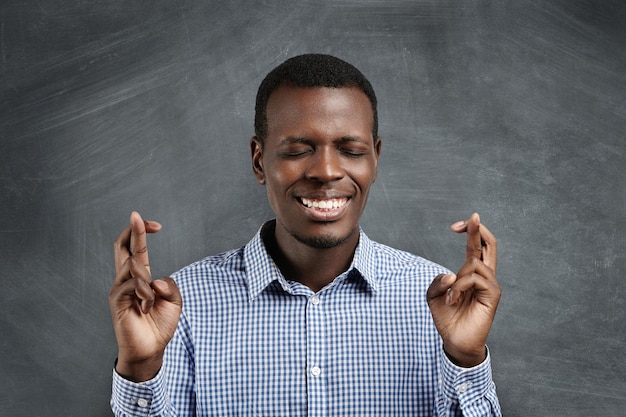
x,y
140,250
475,262
473,250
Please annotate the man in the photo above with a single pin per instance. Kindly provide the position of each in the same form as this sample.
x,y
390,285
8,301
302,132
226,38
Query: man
x,y
310,317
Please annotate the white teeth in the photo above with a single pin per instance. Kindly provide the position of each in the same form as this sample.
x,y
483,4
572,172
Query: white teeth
x,y
333,203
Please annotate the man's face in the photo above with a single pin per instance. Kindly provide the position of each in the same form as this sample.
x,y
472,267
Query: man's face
x,y
318,162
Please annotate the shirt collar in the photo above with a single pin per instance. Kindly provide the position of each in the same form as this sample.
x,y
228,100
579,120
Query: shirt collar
x,y
261,270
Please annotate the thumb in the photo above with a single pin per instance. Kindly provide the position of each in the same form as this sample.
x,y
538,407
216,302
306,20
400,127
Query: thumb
x,y
440,285
167,289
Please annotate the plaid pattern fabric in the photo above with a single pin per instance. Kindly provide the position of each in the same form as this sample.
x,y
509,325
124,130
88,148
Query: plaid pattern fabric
x,y
251,343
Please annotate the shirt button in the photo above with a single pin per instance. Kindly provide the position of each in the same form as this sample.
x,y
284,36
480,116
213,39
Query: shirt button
x,y
142,402
315,300
463,387
316,371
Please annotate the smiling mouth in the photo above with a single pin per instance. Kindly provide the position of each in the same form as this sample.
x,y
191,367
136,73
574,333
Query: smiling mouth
x,y
324,204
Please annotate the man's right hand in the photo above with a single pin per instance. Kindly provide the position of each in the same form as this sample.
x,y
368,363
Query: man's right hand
x,y
145,313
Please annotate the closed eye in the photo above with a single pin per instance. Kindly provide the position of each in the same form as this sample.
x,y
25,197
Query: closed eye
x,y
295,147
295,153
353,152
353,146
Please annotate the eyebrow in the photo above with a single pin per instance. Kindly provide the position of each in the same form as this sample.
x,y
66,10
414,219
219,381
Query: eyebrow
x,y
297,139
345,139
307,140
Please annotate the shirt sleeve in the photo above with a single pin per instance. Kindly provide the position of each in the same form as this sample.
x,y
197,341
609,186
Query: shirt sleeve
x,y
468,392
144,399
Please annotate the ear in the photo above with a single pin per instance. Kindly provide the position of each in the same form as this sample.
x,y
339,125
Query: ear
x,y
378,143
256,151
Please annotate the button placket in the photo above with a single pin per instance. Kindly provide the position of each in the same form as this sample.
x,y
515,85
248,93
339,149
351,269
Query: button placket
x,y
316,348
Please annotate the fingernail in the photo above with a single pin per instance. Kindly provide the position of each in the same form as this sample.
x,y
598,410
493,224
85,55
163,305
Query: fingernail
x,y
458,224
449,297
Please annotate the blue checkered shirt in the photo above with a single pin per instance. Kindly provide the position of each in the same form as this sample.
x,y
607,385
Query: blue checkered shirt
x,y
251,343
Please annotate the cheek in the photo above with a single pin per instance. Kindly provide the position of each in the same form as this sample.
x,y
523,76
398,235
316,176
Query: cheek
x,y
277,183
283,174
365,176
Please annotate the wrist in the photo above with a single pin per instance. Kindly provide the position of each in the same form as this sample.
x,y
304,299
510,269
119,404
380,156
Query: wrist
x,y
466,359
139,371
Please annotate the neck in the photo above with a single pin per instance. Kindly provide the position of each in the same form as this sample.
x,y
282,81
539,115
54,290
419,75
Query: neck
x,y
311,266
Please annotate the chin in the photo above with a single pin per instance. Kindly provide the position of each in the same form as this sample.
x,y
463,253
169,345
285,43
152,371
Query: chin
x,y
323,241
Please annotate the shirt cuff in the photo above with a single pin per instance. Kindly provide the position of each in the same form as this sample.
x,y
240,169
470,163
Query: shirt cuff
x,y
466,385
138,398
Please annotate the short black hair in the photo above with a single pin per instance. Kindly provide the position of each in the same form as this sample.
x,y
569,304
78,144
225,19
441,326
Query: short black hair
x,y
309,71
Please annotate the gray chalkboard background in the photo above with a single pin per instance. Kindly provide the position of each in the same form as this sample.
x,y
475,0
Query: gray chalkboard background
x,y
515,109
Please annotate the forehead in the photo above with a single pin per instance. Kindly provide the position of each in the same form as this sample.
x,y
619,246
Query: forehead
x,y
346,107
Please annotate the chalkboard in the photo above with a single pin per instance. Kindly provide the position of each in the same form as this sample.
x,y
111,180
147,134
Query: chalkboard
x,y
515,109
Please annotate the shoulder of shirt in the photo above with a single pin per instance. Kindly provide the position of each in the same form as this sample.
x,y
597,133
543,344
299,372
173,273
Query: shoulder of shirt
x,y
395,265
222,266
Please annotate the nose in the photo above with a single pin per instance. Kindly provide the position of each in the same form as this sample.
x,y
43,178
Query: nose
x,y
325,165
